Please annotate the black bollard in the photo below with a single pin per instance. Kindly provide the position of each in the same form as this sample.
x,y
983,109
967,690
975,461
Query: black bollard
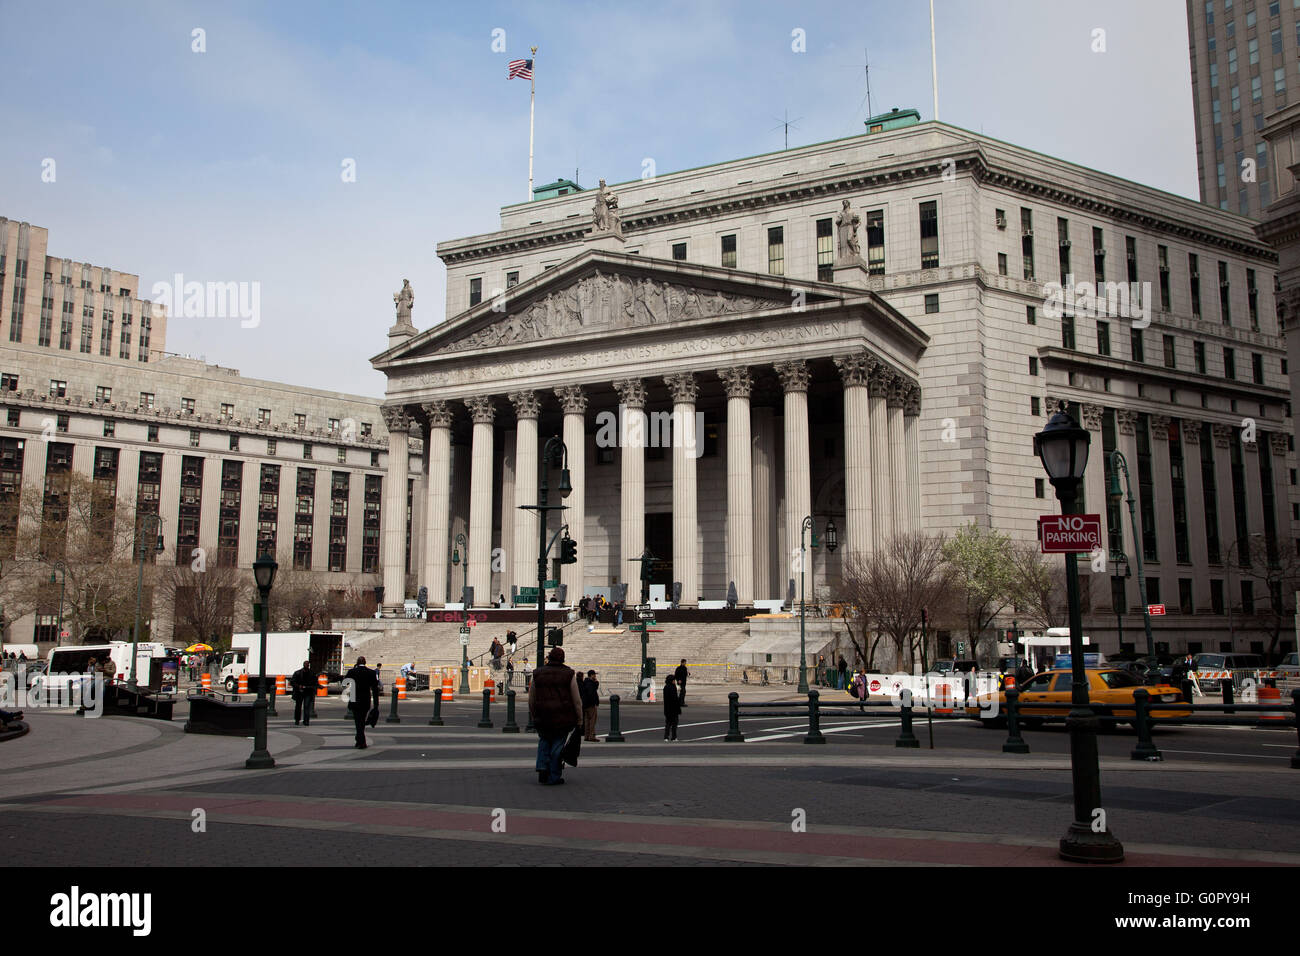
x,y
905,736
486,720
734,736
511,727
1146,748
615,736
436,719
392,713
1226,685
1295,712
270,710
814,720
1187,690
1015,744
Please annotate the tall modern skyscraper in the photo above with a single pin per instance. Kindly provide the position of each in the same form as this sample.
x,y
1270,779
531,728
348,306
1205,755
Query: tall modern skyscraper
x,y
1245,65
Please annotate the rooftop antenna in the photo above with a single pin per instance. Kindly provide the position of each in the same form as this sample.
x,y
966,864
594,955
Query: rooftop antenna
x,y
934,64
787,123
866,67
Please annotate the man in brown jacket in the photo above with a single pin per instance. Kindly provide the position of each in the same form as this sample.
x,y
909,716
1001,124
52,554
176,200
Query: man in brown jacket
x,y
555,707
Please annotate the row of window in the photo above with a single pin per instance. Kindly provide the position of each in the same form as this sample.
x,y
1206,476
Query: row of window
x,y
67,310
824,233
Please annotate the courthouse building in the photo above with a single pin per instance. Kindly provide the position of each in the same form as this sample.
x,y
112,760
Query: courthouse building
x,y
233,465
883,364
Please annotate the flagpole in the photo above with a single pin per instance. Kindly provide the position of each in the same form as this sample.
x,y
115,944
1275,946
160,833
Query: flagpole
x,y
934,63
532,100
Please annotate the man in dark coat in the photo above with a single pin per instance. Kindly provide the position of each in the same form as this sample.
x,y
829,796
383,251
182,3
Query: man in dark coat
x,y
555,707
303,687
589,691
672,708
843,668
681,674
365,695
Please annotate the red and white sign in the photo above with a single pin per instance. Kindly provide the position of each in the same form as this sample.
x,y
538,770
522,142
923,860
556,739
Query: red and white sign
x,y
1155,610
471,622
1068,534
875,687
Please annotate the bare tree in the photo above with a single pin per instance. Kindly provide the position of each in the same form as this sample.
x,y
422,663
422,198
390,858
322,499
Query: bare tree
x,y
893,586
204,602
1039,583
298,602
1277,576
984,578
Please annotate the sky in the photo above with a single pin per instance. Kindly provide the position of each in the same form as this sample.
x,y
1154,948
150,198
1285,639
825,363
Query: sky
x,y
228,164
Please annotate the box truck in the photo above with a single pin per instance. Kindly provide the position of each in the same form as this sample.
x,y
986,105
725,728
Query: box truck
x,y
285,653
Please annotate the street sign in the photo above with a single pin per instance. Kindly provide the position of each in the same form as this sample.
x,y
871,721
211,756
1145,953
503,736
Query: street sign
x,y
648,620
464,640
636,627
1155,610
1068,534
464,628
65,635
551,584
527,594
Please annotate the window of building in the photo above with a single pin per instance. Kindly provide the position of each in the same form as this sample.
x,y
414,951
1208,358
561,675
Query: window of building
x,y
1035,405
1067,332
234,443
61,423
264,416
825,251
1063,247
1171,360
1103,338
1136,346
227,410
1039,490
512,279
1225,309
270,447
729,251
1252,299
306,450
153,433
103,394
343,455
1031,315
1162,255
146,400
187,406
8,382
929,235
475,291
365,429
299,421
931,303
776,250
1198,350
1033,365
1257,368
1194,284
1002,263
194,438
374,459
12,416
876,242
58,388
332,425
1229,364
679,251
1098,255
1027,242
1131,258
110,428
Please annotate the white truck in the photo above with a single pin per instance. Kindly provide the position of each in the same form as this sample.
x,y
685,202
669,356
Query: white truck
x,y
285,653
68,665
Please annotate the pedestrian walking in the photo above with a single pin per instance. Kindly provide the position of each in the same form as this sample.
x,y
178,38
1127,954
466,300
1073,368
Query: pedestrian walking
x,y
365,683
555,708
512,641
590,694
860,685
681,674
843,671
672,708
618,614
302,684
510,672
528,676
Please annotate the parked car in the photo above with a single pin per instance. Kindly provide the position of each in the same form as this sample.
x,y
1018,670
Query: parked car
x,y
1106,685
1290,667
1209,663
955,665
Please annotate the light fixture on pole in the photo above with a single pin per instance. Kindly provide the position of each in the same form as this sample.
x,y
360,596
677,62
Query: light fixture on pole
x,y
462,542
832,542
154,522
1113,492
1063,449
264,569
555,452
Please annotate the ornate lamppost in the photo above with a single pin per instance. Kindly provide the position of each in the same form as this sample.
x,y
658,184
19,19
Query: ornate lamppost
x,y
264,569
462,542
832,542
146,521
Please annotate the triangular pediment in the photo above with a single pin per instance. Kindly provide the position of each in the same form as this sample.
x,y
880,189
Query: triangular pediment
x,y
601,292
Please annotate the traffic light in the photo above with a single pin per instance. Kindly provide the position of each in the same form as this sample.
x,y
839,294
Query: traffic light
x,y
568,551
554,637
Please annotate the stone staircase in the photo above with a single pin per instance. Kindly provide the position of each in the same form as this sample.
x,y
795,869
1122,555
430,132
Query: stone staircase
x,y
708,648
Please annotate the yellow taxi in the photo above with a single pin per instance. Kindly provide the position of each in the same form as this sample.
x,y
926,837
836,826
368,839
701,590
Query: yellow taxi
x,y
1106,685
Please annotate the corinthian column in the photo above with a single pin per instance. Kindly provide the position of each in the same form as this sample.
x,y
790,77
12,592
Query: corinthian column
x,y
632,437
399,426
1094,476
740,484
765,535
686,449
912,444
479,548
798,480
574,402
882,504
524,548
855,371
897,455
437,502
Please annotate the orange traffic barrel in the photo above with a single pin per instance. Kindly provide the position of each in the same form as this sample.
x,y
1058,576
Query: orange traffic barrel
x,y
401,688
490,686
1268,696
943,705
243,683
448,692
322,686
206,681
1009,681
280,685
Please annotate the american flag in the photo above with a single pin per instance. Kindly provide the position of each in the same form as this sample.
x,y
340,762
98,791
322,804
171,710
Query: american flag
x,y
521,68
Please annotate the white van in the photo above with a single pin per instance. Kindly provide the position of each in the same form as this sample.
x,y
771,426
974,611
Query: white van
x,y
68,666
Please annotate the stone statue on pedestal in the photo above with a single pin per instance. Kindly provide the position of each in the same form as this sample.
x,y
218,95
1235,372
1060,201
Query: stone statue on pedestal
x,y
846,228
404,300
604,214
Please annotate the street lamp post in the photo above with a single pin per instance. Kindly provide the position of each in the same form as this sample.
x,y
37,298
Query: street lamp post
x,y
1063,449
1116,559
1118,464
556,450
146,521
264,569
462,542
832,541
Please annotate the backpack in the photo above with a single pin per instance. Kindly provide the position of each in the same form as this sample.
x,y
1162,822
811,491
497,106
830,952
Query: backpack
x,y
853,689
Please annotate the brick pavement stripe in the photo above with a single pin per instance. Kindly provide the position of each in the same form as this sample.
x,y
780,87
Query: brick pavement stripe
x,y
771,841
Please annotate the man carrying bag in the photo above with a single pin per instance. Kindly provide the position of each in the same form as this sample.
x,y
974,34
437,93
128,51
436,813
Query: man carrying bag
x,y
555,707
303,687
366,690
